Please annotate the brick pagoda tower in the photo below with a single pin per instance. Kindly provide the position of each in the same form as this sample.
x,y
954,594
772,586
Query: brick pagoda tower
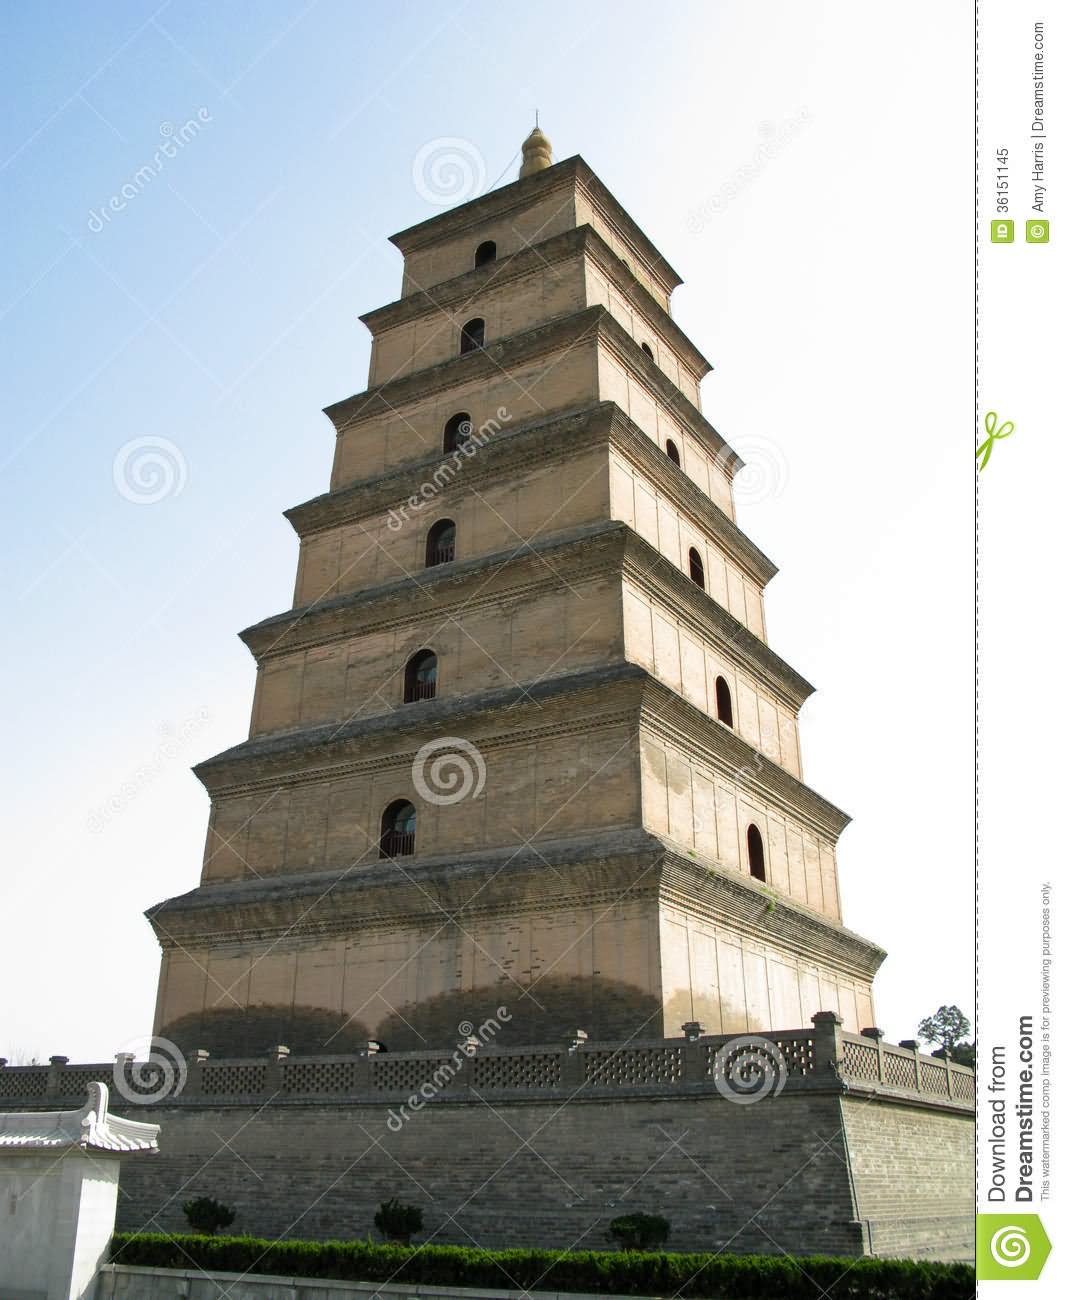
x,y
520,741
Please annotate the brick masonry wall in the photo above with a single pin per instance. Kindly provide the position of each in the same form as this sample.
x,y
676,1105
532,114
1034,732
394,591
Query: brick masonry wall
x,y
914,1177
769,1177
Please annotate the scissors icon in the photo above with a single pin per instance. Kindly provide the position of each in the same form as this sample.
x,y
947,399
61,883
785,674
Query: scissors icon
x,y
994,431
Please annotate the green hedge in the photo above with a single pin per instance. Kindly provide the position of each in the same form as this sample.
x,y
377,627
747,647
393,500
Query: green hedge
x,y
717,1277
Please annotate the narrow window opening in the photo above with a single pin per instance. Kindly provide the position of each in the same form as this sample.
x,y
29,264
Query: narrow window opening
x,y
724,701
398,825
695,568
472,336
440,543
419,677
755,853
457,431
672,451
486,253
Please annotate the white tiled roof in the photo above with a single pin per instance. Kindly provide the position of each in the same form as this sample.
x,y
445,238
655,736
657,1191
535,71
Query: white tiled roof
x,y
92,1128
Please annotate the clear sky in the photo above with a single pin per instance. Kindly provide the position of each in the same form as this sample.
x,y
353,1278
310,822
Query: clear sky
x,y
215,314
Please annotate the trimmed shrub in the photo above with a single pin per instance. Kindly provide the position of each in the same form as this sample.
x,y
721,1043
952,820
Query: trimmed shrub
x,y
640,1231
398,1222
649,1273
205,1214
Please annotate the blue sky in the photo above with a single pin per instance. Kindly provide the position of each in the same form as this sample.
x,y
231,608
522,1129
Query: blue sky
x,y
218,311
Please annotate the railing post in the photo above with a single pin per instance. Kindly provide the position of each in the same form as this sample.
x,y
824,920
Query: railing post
x,y
828,1045
372,1048
694,1053
877,1036
54,1086
194,1076
274,1071
912,1045
573,1062
950,1076
464,1078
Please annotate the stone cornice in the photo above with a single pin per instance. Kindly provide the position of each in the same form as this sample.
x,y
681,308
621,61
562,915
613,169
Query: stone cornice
x,y
723,897
565,332
649,569
482,363
584,553
571,173
512,449
657,467
381,894
686,413
548,708
673,719
610,547
462,289
619,693
600,869
711,891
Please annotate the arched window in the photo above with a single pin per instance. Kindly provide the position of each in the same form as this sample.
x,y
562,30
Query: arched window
x,y
440,543
695,568
486,253
398,823
755,852
419,677
457,431
472,335
672,452
647,348
724,701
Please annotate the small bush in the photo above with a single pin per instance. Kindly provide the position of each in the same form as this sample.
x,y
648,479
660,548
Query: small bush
x,y
205,1214
640,1231
606,1272
398,1222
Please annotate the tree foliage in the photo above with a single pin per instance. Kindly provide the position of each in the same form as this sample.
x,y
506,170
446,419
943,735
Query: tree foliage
x,y
947,1027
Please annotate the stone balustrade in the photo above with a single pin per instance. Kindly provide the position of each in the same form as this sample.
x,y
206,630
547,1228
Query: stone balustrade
x,y
818,1058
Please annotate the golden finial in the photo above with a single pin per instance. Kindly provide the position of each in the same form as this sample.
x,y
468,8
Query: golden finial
x,y
535,152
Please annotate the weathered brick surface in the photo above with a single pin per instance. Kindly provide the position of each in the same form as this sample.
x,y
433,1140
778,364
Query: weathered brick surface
x,y
775,1176
914,1196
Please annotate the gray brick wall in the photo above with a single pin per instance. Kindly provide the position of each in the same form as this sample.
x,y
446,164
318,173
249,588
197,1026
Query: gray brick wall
x,y
775,1176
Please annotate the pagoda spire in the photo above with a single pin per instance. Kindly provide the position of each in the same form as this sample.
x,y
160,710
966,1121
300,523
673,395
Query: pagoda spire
x,y
535,152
